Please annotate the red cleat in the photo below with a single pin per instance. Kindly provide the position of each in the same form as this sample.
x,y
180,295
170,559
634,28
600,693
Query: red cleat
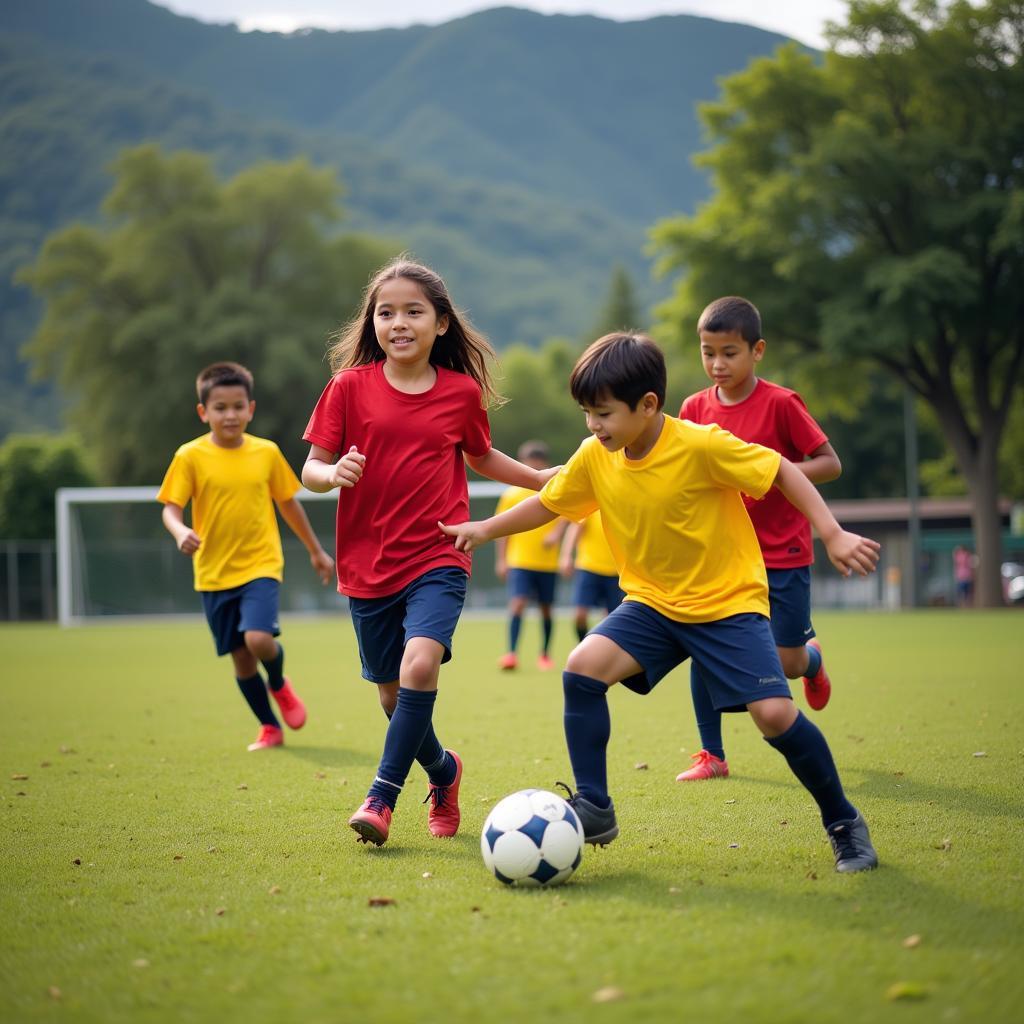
x,y
293,711
372,821
544,663
444,817
269,736
705,766
817,688
507,662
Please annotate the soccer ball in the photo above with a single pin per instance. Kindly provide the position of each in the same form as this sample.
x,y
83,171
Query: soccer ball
x,y
532,838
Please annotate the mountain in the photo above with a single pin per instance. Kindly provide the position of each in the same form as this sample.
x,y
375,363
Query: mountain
x,y
524,155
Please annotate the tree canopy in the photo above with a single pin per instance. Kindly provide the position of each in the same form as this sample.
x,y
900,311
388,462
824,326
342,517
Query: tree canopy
x,y
871,205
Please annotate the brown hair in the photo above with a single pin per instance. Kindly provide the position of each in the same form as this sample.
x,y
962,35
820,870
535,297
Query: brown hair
x,y
623,366
461,348
222,375
732,313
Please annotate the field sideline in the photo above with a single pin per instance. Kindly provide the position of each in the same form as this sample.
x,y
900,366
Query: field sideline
x,y
153,870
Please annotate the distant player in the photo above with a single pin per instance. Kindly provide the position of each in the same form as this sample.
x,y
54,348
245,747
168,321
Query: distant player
x,y
393,431
756,410
233,481
528,563
587,558
670,495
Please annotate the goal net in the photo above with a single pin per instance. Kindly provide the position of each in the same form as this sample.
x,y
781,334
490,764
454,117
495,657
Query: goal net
x,y
114,557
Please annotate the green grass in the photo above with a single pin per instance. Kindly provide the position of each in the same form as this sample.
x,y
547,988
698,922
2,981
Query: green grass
x,y
153,870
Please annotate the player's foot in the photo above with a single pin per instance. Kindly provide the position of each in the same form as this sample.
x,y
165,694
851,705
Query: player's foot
x,y
507,662
705,766
544,663
293,711
443,817
372,821
599,824
817,688
851,843
269,736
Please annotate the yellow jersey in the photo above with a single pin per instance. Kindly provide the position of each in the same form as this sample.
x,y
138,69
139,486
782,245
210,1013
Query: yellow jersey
x,y
675,521
593,553
232,491
527,550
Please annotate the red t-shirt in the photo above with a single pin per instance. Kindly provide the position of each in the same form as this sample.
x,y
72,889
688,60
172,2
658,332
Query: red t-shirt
x,y
776,418
414,475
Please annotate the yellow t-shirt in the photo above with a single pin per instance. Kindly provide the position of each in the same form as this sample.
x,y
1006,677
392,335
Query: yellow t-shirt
x,y
527,550
232,491
592,551
675,519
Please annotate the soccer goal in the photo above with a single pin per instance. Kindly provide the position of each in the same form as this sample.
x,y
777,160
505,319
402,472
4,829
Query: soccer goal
x,y
114,557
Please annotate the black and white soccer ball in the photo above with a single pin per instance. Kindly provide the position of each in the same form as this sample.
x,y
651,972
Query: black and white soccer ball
x,y
532,838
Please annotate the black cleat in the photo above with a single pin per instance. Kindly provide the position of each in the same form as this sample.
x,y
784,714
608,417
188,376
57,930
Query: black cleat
x,y
851,843
599,824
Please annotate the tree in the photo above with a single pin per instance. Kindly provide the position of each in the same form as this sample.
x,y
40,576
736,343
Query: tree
x,y
187,270
871,204
620,312
32,467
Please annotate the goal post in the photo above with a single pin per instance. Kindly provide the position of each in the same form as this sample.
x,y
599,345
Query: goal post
x,y
116,559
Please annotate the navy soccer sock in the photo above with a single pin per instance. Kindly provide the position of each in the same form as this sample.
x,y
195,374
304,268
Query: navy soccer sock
x,y
547,624
406,731
581,631
809,758
514,625
588,727
709,720
275,670
813,661
434,759
254,690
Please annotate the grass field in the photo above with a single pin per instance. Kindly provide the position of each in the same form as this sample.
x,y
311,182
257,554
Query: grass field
x,y
153,870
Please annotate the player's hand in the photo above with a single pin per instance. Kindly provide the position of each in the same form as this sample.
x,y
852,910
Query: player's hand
x,y
850,553
189,542
467,536
323,566
544,475
565,569
348,469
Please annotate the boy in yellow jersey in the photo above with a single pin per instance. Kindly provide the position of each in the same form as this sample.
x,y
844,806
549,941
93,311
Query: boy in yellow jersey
x,y
670,494
528,563
233,481
587,557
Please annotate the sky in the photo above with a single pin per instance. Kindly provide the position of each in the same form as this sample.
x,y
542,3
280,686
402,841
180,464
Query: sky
x,y
800,19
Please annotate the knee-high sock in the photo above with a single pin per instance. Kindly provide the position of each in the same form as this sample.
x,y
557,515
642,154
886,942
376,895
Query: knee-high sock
x,y
514,625
547,624
275,669
433,758
709,720
581,630
406,730
813,661
588,728
806,750
254,690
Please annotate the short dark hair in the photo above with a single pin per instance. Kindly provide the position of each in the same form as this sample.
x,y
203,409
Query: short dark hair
x,y
621,365
222,375
732,313
534,450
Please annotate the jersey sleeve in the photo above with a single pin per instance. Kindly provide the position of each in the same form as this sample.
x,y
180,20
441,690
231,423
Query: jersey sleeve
x,y
804,431
569,492
748,468
284,484
476,436
690,409
326,427
179,481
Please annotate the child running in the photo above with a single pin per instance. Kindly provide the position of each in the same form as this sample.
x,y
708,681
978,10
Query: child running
x,y
233,481
403,413
756,410
670,495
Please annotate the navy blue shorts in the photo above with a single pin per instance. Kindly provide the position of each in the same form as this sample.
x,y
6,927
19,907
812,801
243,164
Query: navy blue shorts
x,y
532,583
592,590
789,596
430,606
230,613
735,657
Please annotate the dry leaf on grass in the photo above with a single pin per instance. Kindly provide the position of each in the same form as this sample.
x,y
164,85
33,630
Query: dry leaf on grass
x,y
242,785
141,962
906,990
55,993
428,874
178,856
274,890
912,942
221,911
946,844
641,766
980,753
607,995
319,775
19,776
380,901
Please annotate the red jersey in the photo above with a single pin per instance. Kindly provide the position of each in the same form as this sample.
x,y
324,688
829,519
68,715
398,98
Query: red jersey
x,y
776,418
414,475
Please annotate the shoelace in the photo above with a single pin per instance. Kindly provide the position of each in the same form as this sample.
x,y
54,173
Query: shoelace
x,y
570,794
843,841
438,794
376,804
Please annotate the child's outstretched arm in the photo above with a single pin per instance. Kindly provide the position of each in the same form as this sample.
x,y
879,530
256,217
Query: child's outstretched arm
x,y
498,466
185,537
527,515
323,470
295,516
848,552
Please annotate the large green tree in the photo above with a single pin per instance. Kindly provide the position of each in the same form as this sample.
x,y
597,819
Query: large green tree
x,y
870,202
186,270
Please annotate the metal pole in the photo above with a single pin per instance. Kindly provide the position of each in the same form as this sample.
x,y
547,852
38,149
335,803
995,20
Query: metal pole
x,y
914,518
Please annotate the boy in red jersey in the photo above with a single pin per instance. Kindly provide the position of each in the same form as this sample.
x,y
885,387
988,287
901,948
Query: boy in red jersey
x,y
760,412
